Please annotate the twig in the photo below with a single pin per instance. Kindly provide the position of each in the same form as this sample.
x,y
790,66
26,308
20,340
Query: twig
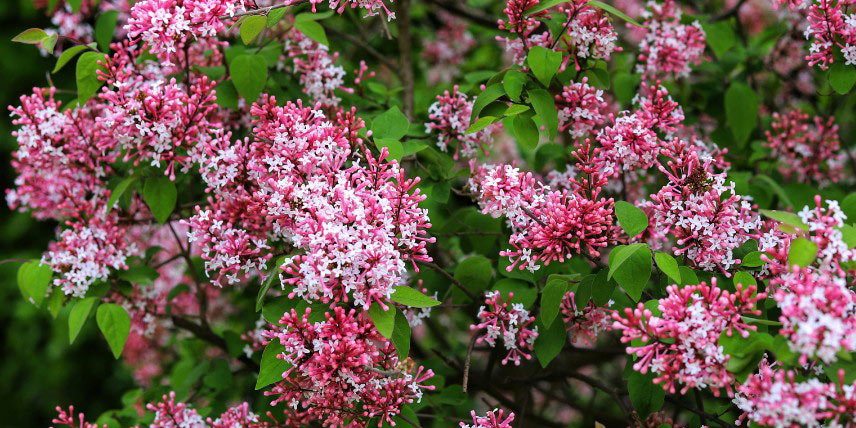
x,y
467,364
205,333
451,278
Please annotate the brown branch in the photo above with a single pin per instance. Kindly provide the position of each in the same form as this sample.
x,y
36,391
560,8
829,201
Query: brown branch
x,y
205,333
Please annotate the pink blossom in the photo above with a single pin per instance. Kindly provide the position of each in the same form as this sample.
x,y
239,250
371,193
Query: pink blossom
x,y
669,47
449,117
67,419
448,49
342,367
681,343
585,324
581,108
817,314
830,27
317,68
492,419
708,219
511,322
808,150
774,397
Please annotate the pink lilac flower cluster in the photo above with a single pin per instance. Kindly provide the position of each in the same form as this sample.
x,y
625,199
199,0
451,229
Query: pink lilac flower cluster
x,y
172,414
371,7
707,218
317,68
492,419
629,144
681,343
155,120
586,324
448,49
66,418
61,162
589,32
775,397
341,368
824,229
167,27
355,217
449,117
524,26
831,27
511,322
818,314
547,225
581,108
669,47
809,151
657,109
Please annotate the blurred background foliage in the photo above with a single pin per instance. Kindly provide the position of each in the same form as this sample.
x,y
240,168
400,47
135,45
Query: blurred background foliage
x,y
38,368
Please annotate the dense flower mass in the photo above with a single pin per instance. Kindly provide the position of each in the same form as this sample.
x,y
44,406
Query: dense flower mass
x,y
342,366
369,213
511,322
680,344
807,150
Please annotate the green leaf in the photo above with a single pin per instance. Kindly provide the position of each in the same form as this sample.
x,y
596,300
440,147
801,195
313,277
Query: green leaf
x,y
614,11
105,27
551,299
311,16
273,310
848,235
116,193
550,342
249,74
624,86
544,63
688,276
787,218
160,195
75,5
391,124
393,147
842,77
632,219
516,109
313,30
752,259
848,206
271,368
480,124
545,108
115,324
271,276
401,335
513,83
30,36
741,110
78,315
140,274
55,301
602,288
776,188
646,396
227,96
802,252
68,55
720,37
744,278
384,321
275,15
411,297
517,290
525,130
251,27
489,95
474,273
668,265
87,78
49,43
631,267
34,279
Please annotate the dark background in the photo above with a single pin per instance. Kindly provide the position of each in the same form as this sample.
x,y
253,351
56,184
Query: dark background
x,y
38,368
